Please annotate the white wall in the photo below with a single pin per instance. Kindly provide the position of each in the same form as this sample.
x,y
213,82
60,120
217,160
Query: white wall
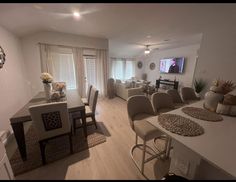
x,y
32,56
185,79
217,55
13,93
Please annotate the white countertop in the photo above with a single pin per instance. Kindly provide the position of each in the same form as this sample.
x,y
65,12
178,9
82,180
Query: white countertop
x,y
217,145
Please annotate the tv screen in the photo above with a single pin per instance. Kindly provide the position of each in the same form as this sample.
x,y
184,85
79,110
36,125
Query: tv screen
x,y
172,65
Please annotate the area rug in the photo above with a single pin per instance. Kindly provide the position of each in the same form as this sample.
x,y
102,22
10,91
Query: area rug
x,y
55,149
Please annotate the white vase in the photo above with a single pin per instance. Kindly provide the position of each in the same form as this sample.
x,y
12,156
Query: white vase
x,y
212,99
47,90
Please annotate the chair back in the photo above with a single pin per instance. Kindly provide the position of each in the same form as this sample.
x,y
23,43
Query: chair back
x,y
89,92
50,119
175,95
188,94
138,104
110,88
161,101
93,99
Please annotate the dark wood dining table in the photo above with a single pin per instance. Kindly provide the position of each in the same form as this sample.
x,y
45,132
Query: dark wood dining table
x,y
74,104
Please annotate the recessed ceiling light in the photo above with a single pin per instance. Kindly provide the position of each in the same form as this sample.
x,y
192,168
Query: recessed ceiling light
x,y
76,14
149,36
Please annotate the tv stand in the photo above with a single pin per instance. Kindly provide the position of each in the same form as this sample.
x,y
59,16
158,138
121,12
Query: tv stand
x,y
174,83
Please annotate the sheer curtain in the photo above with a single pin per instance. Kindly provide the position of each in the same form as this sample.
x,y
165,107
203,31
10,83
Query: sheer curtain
x,y
59,62
67,64
122,68
79,65
101,71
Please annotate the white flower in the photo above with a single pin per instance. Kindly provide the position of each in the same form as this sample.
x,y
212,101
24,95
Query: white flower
x,y
46,78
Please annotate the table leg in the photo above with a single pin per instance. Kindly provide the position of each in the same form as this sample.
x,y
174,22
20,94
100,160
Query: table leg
x,y
18,129
83,116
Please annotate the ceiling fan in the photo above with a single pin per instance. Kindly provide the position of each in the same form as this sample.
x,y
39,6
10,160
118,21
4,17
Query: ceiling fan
x,y
147,46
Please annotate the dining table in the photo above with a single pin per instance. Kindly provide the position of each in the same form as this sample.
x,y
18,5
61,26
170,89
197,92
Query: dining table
x,y
74,104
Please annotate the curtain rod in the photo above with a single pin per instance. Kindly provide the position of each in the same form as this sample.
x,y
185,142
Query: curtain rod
x,y
121,58
70,46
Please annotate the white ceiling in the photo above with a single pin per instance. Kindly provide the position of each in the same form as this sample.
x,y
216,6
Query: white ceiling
x,y
125,25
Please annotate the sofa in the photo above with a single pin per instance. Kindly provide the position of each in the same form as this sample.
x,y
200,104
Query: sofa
x,y
125,90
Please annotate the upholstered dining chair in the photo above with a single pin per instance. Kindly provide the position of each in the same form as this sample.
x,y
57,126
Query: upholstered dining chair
x,y
139,109
85,100
177,100
51,120
89,110
188,95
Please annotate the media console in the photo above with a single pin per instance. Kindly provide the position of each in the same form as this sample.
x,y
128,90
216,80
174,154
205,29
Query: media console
x,y
174,83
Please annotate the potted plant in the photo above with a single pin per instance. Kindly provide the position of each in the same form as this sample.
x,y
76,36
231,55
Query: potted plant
x,y
199,85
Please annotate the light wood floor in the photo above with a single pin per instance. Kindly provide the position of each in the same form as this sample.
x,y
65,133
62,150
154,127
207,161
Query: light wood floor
x,y
109,160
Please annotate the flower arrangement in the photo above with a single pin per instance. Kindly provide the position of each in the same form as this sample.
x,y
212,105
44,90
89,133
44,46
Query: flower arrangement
x,y
59,86
46,78
222,86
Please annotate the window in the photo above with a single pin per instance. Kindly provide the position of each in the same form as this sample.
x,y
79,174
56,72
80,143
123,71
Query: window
x,y
122,69
90,69
63,68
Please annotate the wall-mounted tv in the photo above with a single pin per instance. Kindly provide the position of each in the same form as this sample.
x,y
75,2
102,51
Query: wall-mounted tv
x,y
172,65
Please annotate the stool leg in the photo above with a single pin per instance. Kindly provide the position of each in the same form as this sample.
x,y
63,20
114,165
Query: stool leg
x,y
168,147
143,159
136,139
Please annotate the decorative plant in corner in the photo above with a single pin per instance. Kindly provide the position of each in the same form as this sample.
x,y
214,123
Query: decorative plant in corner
x,y
199,85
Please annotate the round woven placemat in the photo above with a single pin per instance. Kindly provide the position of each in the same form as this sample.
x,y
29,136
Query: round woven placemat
x,y
202,114
180,125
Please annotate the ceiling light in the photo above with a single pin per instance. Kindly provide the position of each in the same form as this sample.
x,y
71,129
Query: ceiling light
x,y
76,14
147,50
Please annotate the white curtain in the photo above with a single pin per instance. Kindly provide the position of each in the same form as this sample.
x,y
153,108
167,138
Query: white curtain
x,y
79,67
122,68
102,71
60,63
67,64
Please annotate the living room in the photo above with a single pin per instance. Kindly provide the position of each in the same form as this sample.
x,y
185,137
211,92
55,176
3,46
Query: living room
x,y
85,44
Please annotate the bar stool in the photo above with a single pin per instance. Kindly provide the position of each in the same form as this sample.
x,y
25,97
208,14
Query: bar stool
x,y
139,108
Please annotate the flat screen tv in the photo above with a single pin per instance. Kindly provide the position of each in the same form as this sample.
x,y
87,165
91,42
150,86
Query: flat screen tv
x,y
172,65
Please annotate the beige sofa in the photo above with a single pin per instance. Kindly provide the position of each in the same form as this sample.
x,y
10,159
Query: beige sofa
x,y
123,91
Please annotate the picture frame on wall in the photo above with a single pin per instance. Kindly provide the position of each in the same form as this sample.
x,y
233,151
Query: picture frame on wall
x,y
152,66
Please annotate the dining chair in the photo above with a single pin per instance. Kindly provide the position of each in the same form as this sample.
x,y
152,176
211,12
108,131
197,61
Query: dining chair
x,y
177,100
139,109
188,95
89,110
85,100
51,120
